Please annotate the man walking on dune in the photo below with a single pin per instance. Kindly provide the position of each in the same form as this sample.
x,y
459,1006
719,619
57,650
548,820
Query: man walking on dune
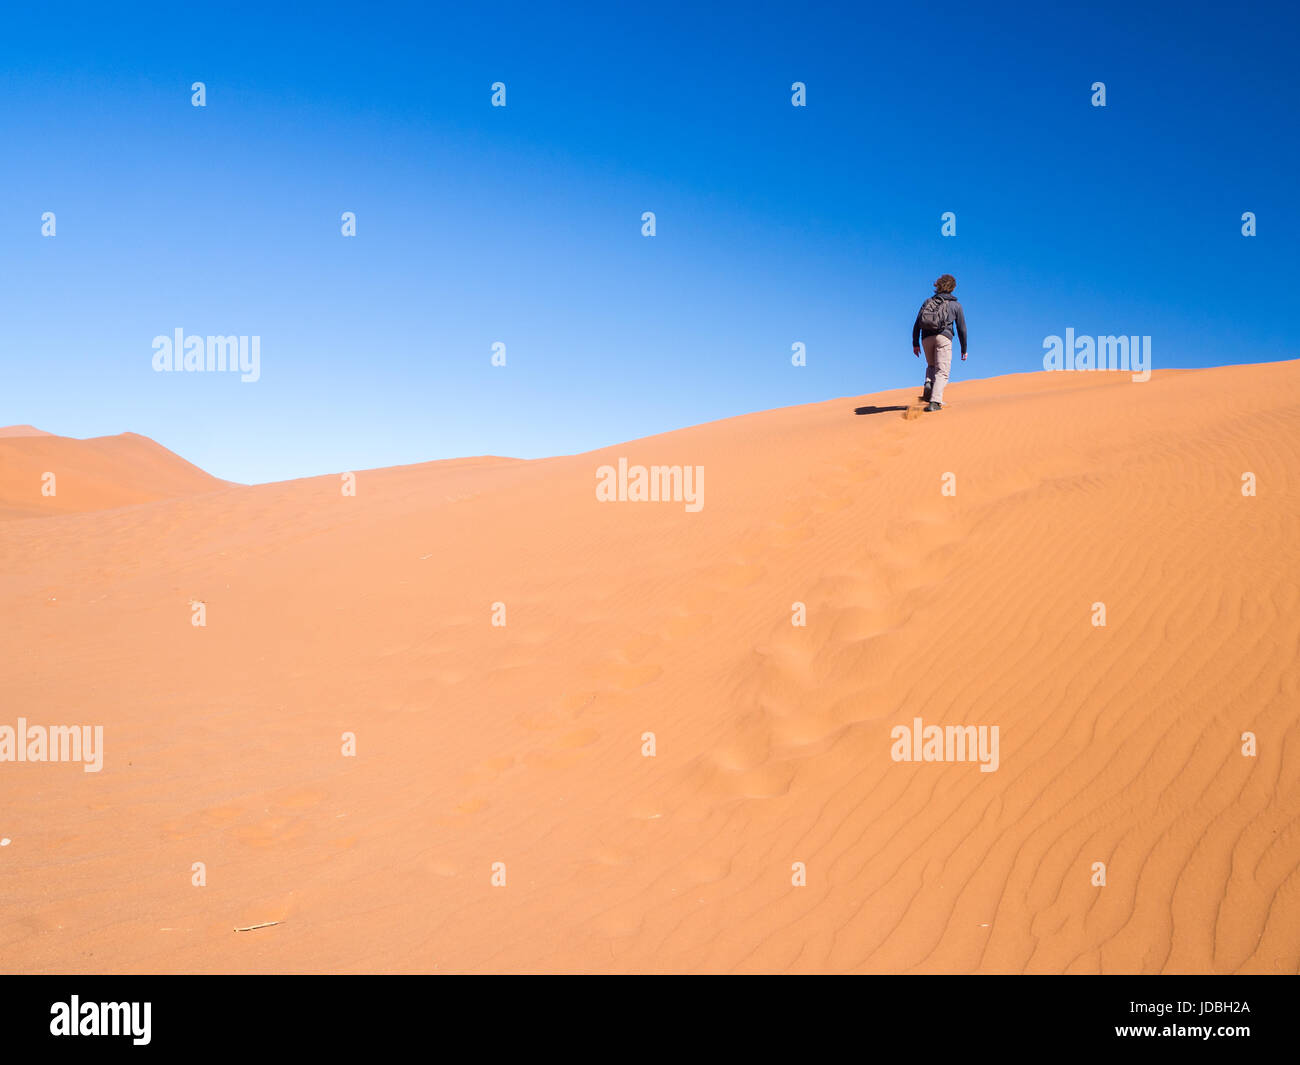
x,y
934,328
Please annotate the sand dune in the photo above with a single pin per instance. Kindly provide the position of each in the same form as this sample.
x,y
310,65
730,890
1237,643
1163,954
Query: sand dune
x,y
522,744
95,474
22,430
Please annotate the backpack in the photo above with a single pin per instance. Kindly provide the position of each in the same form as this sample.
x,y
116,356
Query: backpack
x,y
936,314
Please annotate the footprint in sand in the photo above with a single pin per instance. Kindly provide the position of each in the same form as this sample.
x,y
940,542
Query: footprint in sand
x,y
627,677
854,624
486,771
221,815
682,625
749,745
831,504
583,737
552,759
785,535
637,647
545,720
271,832
301,798
766,781
707,870
733,574
612,856
620,921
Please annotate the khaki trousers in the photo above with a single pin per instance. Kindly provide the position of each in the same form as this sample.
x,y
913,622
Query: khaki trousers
x,y
938,363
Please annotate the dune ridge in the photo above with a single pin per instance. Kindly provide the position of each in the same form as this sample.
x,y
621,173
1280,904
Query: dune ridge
x,y
95,474
22,430
522,744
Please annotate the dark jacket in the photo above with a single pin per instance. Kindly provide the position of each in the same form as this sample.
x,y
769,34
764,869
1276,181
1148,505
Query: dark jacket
x,y
959,322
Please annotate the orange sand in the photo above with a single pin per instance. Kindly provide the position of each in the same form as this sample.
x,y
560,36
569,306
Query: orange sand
x,y
479,744
96,474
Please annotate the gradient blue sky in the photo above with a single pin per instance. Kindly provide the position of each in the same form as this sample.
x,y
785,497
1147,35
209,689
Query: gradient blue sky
x,y
522,224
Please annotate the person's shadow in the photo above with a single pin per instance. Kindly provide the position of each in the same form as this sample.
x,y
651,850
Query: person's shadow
x,y
877,410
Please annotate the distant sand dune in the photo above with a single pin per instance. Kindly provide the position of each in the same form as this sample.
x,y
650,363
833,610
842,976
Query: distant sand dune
x,y
95,474
522,744
22,430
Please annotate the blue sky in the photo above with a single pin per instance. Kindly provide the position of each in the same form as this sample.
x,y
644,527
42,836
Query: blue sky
x,y
522,224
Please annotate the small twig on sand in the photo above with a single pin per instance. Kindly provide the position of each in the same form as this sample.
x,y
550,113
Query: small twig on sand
x,y
264,924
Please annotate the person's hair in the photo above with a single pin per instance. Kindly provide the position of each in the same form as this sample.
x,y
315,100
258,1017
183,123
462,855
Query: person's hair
x,y
945,284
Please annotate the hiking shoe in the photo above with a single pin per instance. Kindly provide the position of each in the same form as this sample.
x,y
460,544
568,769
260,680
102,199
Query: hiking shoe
x,y
934,406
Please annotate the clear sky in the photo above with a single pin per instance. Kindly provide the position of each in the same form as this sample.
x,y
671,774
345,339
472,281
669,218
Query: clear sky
x,y
522,224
